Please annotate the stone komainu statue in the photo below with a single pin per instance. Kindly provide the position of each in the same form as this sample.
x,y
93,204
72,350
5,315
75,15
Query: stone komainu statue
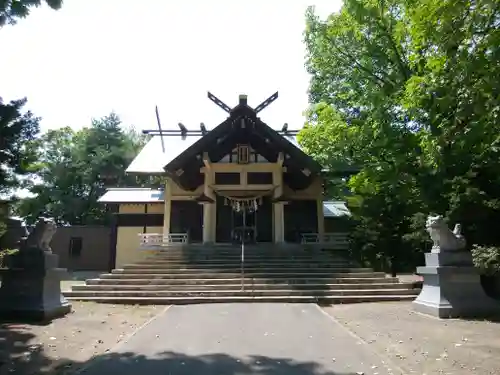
x,y
41,235
442,237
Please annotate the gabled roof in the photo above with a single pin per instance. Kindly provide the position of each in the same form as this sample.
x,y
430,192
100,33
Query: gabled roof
x,y
182,151
152,160
243,125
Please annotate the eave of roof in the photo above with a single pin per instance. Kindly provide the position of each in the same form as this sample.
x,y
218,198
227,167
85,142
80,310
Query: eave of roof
x,y
132,195
152,159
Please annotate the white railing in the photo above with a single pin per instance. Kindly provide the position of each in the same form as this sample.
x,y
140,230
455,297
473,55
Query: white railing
x,y
150,239
333,240
157,239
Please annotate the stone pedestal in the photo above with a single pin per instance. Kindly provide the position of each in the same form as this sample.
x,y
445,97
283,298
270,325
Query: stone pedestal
x,y
31,287
452,288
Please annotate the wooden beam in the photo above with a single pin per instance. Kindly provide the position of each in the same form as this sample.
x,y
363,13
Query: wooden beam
x,y
219,102
182,128
206,160
281,159
160,129
266,102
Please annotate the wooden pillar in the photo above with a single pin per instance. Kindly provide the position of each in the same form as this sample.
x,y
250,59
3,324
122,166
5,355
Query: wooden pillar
x,y
167,212
209,209
112,242
279,222
321,218
278,207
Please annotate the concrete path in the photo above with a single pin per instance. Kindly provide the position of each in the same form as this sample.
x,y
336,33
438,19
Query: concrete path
x,y
242,339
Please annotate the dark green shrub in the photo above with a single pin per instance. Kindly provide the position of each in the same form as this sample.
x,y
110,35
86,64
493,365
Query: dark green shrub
x,y
487,259
4,253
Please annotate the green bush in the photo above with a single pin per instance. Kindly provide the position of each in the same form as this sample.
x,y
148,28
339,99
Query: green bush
x,y
487,259
4,253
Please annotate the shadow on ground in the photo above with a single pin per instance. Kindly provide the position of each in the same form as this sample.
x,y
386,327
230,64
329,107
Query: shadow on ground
x,y
209,364
19,352
19,356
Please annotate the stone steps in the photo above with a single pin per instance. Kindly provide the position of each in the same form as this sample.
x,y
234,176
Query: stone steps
x,y
262,270
236,274
236,285
237,253
200,274
236,265
237,258
249,261
246,293
236,280
184,300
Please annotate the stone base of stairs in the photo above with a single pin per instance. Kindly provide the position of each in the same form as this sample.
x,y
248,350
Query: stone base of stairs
x,y
197,274
147,300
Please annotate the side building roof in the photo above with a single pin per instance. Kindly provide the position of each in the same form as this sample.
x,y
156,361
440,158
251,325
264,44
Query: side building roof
x,y
335,209
132,195
147,195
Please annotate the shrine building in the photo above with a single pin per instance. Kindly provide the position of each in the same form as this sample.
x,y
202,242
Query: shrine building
x,y
241,180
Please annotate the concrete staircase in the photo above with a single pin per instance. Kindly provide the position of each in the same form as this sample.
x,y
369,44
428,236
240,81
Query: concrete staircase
x,y
201,274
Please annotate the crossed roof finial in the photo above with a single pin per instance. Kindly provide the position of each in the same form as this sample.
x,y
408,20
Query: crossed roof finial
x,y
243,101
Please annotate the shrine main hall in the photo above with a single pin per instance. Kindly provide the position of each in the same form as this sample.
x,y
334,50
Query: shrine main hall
x,y
241,180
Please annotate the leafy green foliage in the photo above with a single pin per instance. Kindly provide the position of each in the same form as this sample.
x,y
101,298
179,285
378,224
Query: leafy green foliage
x,y
5,253
487,259
405,89
11,10
18,130
75,167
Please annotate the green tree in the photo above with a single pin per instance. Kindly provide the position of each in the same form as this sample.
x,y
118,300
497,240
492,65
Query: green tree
x,y
454,95
358,73
18,129
74,169
406,90
11,10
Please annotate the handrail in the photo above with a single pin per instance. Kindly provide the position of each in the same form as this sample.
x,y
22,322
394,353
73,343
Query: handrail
x,y
159,239
339,240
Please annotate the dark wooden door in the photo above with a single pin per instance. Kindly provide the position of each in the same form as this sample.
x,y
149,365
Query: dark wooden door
x,y
301,216
187,217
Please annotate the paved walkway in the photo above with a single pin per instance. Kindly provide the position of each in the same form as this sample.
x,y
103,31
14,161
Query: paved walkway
x,y
242,339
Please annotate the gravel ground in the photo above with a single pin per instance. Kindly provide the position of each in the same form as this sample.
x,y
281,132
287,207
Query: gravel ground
x,y
421,344
91,329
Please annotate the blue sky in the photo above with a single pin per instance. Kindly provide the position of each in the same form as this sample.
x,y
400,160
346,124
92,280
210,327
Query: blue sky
x,y
96,56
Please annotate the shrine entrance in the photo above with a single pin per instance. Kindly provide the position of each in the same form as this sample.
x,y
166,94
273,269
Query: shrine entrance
x,y
244,218
244,226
